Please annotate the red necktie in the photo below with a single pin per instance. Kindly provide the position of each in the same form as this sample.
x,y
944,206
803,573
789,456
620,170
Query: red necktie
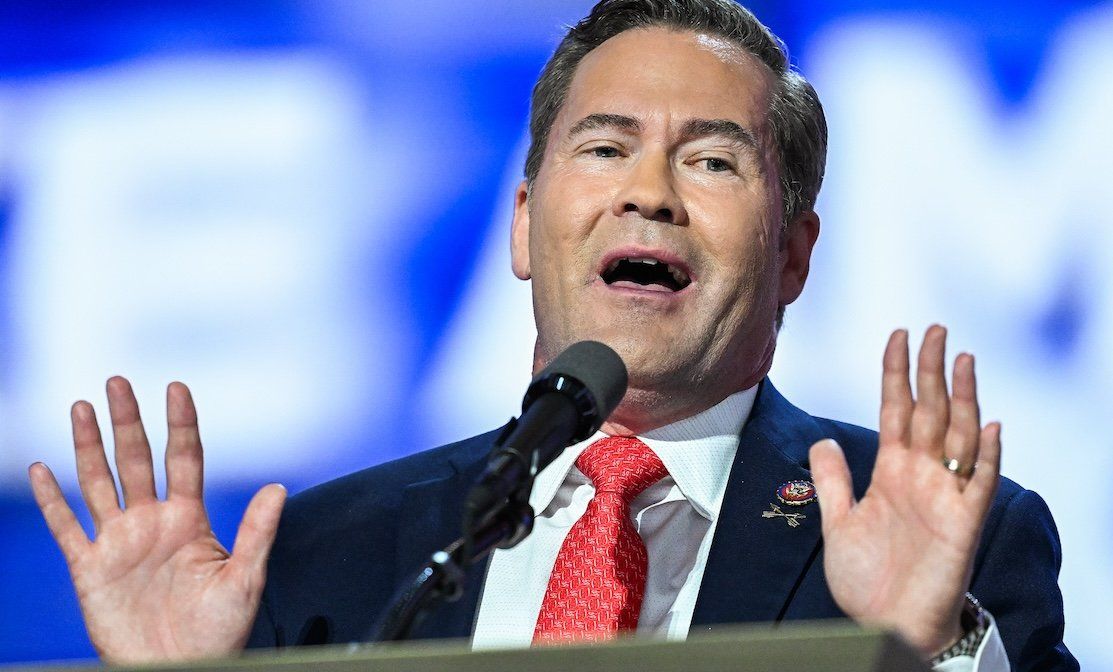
x,y
598,580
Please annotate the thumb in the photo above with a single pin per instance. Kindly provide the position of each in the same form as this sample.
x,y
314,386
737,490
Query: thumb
x,y
259,526
832,481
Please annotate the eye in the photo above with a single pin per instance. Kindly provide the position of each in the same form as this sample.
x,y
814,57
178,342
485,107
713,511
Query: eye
x,y
716,165
604,151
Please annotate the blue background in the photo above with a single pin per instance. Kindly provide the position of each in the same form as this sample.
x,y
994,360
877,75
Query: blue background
x,y
301,209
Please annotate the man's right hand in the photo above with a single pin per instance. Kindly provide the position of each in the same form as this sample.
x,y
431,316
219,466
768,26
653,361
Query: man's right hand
x,y
155,584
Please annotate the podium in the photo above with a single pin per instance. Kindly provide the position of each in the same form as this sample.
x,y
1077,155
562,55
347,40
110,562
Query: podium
x,y
826,647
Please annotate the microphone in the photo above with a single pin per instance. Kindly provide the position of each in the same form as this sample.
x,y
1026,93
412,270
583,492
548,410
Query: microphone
x,y
566,403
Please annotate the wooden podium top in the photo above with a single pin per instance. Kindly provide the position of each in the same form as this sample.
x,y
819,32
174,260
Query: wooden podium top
x,y
821,647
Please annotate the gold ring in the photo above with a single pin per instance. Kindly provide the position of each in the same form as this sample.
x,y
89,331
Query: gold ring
x,y
955,467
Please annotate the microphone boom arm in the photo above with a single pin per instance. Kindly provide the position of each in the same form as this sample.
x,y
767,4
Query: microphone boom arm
x,y
566,403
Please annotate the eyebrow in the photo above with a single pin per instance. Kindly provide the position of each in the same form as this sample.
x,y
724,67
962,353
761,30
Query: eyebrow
x,y
692,130
725,128
599,120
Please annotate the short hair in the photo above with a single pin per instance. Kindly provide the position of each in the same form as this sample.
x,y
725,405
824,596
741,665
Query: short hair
x,y
795,115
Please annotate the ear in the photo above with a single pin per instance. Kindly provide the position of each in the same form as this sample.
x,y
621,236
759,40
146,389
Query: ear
x,y
796,255
519,234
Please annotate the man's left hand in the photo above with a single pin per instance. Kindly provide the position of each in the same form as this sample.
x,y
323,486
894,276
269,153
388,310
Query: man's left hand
x,y
902,556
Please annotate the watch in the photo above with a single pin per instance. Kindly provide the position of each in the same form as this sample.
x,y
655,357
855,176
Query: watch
x,y
975,623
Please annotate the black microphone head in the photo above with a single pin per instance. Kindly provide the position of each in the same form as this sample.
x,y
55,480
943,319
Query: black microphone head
x,y
592,374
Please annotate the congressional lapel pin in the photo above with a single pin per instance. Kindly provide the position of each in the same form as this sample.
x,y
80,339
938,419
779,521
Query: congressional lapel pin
x,y
796,493
792,518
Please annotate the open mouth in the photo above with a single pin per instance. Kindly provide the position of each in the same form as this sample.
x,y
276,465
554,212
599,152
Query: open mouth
x,y
647,273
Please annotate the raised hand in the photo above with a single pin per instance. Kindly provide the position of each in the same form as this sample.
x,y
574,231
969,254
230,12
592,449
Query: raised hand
x,y
155,584
902,557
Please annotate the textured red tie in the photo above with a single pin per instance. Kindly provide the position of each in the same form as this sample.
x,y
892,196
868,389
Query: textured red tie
x,y
598,581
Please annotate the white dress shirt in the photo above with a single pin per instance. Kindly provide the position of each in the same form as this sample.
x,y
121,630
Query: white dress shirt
x,y
676,519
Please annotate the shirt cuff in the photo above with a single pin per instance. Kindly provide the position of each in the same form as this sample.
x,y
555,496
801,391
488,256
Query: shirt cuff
x,y
990,656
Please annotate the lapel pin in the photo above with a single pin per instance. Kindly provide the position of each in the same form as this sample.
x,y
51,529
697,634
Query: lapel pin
x,y
793,519
796,493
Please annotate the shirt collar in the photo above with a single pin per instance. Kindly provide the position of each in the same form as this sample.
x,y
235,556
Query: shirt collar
x,y
697,451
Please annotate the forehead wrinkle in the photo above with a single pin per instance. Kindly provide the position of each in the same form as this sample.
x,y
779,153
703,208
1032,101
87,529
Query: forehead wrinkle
x,y
602,120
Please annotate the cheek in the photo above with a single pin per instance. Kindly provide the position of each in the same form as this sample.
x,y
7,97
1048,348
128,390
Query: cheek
x,y
738,238
576,205
581,193
742,254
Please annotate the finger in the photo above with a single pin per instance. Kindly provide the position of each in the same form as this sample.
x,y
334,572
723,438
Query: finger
x,y
59,516
896,392
98,488
983,484
833,485
133,452
961,442
184,458
931,414
259,526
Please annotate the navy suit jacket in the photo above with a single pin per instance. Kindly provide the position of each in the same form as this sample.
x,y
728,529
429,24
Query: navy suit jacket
x,y
344,547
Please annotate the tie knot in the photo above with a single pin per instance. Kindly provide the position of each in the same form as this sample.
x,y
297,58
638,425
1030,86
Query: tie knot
x,y
622,465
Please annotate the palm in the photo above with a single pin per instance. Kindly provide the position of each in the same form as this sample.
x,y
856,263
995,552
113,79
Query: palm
x,y
901,557
156,584
159,560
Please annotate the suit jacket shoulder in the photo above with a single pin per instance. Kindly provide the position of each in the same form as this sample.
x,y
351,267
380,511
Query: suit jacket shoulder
x,y
344,547
1016,566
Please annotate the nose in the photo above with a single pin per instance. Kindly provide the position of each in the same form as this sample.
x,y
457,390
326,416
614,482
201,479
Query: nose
x,y
650,190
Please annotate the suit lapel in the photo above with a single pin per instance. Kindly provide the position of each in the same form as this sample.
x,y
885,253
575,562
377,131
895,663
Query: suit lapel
x,y
756,563
429,519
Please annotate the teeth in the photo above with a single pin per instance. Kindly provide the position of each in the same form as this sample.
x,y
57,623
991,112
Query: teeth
x,y
680,276
677,274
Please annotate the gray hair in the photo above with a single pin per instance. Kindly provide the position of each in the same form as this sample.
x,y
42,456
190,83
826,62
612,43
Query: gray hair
x,y
795,115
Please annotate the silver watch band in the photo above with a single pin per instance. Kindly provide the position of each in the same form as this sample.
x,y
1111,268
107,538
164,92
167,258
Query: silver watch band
x,y
975,623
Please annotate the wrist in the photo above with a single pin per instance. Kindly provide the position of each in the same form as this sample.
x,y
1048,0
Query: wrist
x,y
974,623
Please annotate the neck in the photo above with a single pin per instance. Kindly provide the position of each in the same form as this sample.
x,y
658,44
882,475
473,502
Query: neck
x,y
642,410
648,407
654,404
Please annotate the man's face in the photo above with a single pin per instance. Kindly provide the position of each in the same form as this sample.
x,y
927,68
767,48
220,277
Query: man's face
x,y
654,222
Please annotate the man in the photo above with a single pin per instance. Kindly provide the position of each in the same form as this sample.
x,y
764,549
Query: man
x,y
667,210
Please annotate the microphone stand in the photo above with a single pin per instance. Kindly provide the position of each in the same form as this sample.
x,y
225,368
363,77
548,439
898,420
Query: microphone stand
x,y
442,577
565,403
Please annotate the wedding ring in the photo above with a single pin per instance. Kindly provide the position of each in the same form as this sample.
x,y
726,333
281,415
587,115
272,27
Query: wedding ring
x,y
955,467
